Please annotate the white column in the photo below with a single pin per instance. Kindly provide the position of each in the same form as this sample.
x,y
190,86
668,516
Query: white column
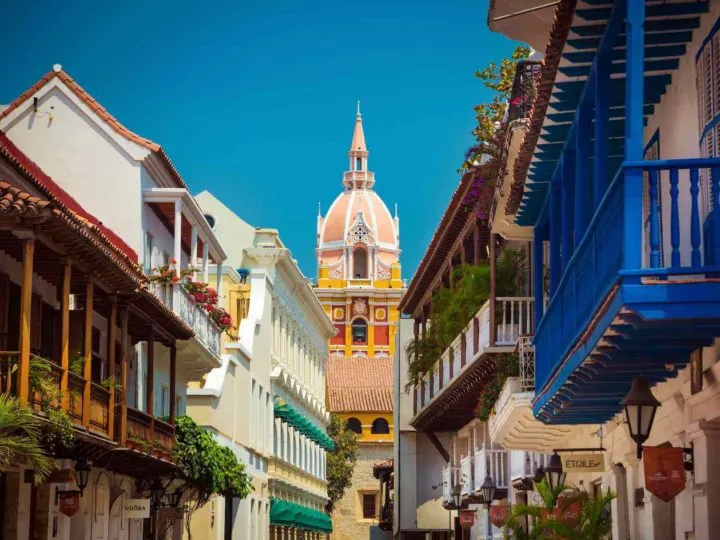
x,y
178,233
206,261
193,247
218,285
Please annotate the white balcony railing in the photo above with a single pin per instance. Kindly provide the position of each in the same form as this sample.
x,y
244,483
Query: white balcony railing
x,y
183,304
466,475
526,351
513,318
496,463
523,464
450,478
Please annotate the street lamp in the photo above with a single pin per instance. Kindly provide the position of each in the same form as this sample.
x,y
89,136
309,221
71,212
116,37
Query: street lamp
x,y
488,492
539,474
174,498
82,473
554,472
640,408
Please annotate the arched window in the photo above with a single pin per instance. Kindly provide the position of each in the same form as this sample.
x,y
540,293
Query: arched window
x,y
380,427
360,269
353,424
358,164
359,331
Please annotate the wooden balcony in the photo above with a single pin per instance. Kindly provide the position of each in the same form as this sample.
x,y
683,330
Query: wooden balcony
x,y
147,434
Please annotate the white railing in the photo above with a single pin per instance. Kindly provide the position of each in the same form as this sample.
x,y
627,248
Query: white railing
x,y
523,464
526,351
176,298
497,461
482,329
513,318
466,475
450,478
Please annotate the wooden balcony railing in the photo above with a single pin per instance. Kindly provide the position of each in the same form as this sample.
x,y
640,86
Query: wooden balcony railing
x,y
76,387
139,425
99,408
8,361
164,435
149,434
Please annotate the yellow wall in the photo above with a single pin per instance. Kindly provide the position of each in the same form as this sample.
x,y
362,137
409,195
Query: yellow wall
x,y
366,419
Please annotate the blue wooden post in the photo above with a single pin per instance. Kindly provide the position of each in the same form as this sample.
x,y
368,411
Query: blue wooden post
x,y
715,224
694,218
602,131
568,195
555,241
634,125
538,273
674,219
583,181
654,220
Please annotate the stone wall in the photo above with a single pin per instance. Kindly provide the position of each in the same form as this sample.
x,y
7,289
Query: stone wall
x,y
348,523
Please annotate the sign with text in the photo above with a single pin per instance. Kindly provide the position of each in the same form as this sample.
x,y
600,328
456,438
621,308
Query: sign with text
x,y
136,508
69,502
583,463
467,518
499,514
664,472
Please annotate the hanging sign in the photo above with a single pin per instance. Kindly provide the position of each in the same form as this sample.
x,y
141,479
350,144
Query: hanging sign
x,y
568,514
69,502
664,472
499,514
136,508
467,518
583,463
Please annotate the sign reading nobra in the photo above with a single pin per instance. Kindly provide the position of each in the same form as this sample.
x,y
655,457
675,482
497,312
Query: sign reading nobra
x,y
583,463
136,508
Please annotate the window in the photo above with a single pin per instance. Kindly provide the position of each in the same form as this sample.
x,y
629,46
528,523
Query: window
x,y
380,427
359,332
358,164
353,424
360,270
147,258
369,505
707,67
211,220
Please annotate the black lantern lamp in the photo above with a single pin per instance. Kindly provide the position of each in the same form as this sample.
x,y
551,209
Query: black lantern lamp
x,y
157,490
488,490
174,498
554,472
640,408
457,495
82,474
539,474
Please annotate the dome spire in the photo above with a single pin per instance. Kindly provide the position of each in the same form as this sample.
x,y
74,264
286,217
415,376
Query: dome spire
x,y
358,176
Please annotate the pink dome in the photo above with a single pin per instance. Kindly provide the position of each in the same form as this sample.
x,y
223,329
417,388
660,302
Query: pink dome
x,y
352,207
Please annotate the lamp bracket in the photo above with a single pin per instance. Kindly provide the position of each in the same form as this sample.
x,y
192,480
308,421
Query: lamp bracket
x,y
596,449
689,459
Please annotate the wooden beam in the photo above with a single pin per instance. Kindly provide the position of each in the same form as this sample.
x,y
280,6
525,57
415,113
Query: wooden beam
x,y
122,424
112,341
173,369
87,350
23,381
150,383
438,446
65,335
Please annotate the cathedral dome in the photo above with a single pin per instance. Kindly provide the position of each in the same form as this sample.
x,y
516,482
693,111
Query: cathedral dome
x,y
358,215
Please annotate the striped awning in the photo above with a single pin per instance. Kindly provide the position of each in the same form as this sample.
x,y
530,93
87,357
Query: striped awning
x,y
290,514
295,419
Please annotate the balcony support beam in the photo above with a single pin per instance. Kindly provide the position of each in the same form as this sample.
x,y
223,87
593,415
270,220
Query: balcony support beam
x,y
173,374
122,424
87,350
206,261
150,390
193,248
112,342
568,197
555,232
537,274
634,136
23,374
65,335
582,171
602,126
438,446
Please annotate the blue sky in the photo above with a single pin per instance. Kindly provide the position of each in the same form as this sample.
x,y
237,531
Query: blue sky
x,y
255,100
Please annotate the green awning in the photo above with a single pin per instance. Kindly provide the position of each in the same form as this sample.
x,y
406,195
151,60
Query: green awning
x,y
290,514
294,418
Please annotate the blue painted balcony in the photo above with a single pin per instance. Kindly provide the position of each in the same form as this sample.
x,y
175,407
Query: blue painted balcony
x,y
634,240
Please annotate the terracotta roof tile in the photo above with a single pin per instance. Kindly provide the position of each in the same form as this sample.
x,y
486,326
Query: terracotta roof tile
x,y
14,202
359,384
101,111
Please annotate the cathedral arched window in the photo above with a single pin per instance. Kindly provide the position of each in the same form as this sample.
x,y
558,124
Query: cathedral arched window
x,y
360,263
353,424
359,331
380,426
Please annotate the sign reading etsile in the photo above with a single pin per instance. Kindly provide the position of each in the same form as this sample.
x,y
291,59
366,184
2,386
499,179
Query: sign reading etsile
x,y
583,463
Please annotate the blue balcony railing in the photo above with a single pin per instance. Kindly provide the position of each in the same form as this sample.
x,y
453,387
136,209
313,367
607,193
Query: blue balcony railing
x,y
625,240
